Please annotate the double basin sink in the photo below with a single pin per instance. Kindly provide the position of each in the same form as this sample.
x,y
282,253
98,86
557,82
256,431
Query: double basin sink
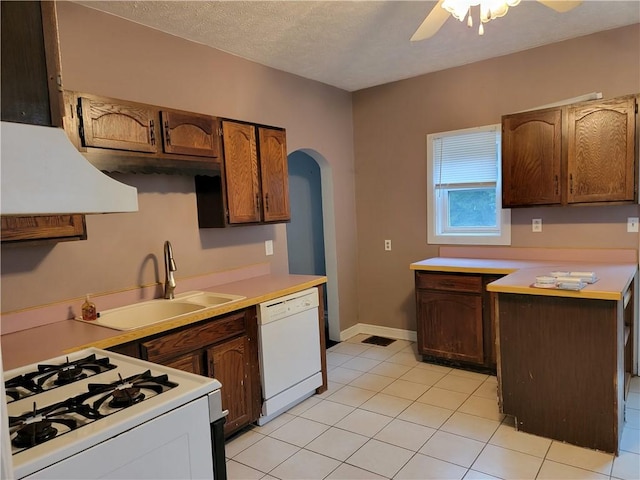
x,y
150,312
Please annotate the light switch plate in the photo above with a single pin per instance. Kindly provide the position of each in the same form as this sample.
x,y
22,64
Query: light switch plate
x,y
632,224
268,247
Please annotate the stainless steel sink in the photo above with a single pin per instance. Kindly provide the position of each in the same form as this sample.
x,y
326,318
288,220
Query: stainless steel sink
x,y
148,313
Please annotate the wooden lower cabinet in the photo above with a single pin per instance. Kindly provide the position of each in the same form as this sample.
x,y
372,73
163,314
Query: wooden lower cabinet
x,y
455,319
562,367
450,326
224,348
191,362
228,363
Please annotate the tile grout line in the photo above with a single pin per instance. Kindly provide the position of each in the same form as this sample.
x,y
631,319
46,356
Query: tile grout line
x,y
451,371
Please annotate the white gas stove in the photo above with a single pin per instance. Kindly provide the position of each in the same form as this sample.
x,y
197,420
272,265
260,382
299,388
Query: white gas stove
x,y
98,414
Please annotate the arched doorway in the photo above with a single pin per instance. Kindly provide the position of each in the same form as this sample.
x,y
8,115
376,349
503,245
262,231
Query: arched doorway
x,y
311,232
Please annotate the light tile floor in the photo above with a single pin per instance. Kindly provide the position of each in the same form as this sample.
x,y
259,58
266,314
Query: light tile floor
x,y
388,415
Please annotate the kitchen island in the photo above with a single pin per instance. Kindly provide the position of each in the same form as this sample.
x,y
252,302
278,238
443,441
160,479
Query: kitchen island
x,y
563,356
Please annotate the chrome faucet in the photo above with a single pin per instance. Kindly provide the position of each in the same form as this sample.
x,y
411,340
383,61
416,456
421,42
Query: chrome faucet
x,y
169,268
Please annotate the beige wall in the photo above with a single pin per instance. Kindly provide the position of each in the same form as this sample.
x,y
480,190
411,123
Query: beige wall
x,y
391,123
105,55
113,57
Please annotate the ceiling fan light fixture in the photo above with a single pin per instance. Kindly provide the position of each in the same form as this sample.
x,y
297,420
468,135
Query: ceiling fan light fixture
x,y
489,9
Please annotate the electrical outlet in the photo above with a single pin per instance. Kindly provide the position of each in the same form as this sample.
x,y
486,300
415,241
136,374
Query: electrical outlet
x,y
536,224
268,247
632,224
387,245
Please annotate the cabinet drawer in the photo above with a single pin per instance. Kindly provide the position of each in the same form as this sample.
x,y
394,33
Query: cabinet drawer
x,y
455,282
193,338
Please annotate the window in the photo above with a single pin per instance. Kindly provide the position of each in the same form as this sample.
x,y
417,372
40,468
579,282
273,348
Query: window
x,y
464,199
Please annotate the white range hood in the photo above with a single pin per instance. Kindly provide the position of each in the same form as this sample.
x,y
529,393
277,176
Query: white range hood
x,y
42,173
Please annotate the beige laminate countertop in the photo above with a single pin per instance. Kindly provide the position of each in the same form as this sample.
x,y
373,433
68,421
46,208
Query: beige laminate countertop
x,y
54,339
613,279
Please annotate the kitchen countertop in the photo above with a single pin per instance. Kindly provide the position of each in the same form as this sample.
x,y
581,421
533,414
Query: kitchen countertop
x,y
54,339
613,279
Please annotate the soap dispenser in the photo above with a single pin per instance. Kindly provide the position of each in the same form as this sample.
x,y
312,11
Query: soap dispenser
x,y
89,311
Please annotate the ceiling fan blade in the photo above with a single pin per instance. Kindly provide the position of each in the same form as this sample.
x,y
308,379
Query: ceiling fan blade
x,y
432,23
561,6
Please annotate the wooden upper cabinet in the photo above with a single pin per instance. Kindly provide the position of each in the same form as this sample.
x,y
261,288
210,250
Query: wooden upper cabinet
x,y
254,185
274,175
532,158
580,153
32,93
119,126
190,134
38,228
129,137
601,151
241,172
30,73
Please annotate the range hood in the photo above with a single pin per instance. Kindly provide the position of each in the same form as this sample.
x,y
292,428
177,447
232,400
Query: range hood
x,y
42,173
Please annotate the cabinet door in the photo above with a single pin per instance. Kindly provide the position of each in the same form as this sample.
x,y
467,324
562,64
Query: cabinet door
x,y
450,325
190,134
191,362
43,227
229,363
241,172
531,158
119,126
601,155
30,73
274,175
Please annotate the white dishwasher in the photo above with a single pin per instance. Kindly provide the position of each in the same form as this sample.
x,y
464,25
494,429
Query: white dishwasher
x,y
290,369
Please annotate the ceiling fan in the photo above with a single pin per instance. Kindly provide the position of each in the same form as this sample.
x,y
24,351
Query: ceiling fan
x,y
489,9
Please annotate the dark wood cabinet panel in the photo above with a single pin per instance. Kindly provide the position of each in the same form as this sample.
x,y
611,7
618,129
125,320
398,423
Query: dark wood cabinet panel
x,y
445,281
30,73
191,362
562,367
31,93
190,134
531,158
129,137
451,326
40,228
117,125
224,348
274,175
601,147
195,337
228,362
254,185
455,319
241,172
584,153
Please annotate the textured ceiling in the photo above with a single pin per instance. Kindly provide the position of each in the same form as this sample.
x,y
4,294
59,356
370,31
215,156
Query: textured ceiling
x,y
358,44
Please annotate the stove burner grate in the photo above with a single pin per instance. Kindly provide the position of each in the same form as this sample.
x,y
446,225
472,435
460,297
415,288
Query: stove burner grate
x,y
127,392
47,377
36,426
98,401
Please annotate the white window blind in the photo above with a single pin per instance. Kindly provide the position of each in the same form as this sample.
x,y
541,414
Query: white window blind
x,y
466,158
